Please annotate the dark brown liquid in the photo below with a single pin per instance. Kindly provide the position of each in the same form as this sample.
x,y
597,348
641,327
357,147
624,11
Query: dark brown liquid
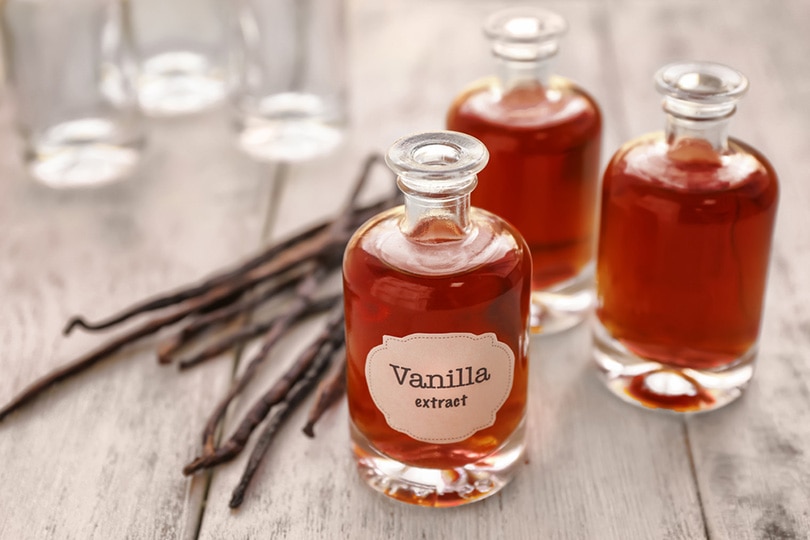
x,y
543,171
690,402
395,298
684,245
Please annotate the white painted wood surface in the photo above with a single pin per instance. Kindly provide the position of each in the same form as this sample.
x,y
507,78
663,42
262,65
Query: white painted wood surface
x,y
100,456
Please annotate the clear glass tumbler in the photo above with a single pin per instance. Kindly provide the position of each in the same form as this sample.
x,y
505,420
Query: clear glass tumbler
x,y
71,73
182,52
288,69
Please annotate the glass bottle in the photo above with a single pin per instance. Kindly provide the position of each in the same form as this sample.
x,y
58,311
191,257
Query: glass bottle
x,y
543,133
437,310
685,239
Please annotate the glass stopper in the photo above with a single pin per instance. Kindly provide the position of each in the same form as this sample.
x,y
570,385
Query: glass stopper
x,y
700,90
525,34
437,163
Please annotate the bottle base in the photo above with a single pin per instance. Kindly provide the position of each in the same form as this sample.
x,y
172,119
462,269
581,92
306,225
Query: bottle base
x,y
82,153
438,487
289,140
178,83
291,126
563,306
654,385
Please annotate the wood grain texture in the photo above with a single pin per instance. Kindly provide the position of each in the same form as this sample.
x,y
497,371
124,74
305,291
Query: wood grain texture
x,y
751,458
100,457
596,468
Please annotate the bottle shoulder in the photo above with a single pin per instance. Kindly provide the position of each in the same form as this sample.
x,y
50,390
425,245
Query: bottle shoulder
x,y
528,105
489,241
690,164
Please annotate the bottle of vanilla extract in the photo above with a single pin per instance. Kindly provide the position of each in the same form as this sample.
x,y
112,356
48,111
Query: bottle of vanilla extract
x,y
543,133
437,298
684,244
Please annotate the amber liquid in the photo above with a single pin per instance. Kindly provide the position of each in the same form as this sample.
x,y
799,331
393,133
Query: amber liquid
x,y
684,245
386,292
543,171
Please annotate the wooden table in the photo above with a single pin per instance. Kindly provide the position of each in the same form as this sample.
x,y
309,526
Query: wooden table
x,y
100,456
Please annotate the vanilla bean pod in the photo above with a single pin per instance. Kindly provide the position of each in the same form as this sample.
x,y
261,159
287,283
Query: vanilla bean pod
x,y
280,413
336,237
245,333
172,344
194,290
303,296
226,313
114,345
329,391
329,339
298,254
359,216
297,393
202,297
90,359
323,246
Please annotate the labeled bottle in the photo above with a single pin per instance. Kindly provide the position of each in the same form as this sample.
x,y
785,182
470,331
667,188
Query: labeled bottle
x,y
437,310
685,240
543,133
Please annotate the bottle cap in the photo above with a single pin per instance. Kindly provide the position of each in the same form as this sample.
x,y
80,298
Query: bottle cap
x,y
437,163
525,33
700,90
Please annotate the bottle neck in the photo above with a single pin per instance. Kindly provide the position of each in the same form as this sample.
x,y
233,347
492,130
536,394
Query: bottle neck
x,y
514,73
436,171
436,219
712,130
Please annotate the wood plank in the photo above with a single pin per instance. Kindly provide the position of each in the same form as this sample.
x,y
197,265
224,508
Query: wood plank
x,y
751,460
101,456
596,467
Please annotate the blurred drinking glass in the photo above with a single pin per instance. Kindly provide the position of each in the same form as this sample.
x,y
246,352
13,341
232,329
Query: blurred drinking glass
x,y
182,51
288,61
71,73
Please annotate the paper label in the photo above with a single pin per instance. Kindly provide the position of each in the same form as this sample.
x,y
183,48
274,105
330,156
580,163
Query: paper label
x,y
440,388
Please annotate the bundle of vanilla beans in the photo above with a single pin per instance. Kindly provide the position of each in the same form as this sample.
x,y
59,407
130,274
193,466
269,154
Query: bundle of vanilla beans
x,y
223,313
